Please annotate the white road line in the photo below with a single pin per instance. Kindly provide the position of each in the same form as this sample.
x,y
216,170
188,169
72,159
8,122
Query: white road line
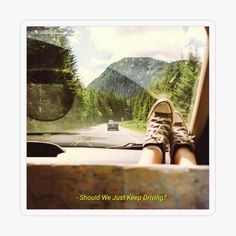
x,y
136,140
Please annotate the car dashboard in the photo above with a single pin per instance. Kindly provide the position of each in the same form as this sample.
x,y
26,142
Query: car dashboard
x,y
59,182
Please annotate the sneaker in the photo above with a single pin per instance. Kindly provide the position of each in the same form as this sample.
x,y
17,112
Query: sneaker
x,y
180,136
159,125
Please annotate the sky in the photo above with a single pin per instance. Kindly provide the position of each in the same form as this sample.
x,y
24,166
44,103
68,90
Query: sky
x,y
96,47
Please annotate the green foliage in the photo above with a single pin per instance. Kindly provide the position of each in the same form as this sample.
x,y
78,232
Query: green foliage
x,y
134,125
179,83
115,82
141,105
90,107
121,92
100,107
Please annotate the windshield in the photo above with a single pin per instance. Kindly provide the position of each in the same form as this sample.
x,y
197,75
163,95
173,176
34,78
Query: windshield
x,y
93,86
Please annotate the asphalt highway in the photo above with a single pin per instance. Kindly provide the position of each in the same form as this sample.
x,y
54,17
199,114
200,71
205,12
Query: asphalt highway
x,y
95,136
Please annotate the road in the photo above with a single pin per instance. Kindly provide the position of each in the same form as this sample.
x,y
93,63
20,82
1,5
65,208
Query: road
x,y
95,136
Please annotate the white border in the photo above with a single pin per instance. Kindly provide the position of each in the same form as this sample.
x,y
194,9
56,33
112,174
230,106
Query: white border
x,y
126,212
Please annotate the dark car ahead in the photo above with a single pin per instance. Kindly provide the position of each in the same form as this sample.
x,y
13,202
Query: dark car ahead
x,y
112,125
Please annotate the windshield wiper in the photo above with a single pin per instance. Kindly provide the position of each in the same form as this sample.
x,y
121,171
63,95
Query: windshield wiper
x,y
53,133
131,146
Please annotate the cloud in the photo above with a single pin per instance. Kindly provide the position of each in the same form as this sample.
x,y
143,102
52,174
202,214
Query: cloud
x,y
87,75
140,41
98,47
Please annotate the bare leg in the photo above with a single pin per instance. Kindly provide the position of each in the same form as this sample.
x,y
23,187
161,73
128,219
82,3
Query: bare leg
x,y
151,155
181,143
185,157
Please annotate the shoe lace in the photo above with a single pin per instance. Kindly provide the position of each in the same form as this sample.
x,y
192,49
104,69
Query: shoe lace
x,y
181,135
159,128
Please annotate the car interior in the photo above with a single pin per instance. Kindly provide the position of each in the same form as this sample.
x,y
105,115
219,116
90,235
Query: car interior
x,y
55,172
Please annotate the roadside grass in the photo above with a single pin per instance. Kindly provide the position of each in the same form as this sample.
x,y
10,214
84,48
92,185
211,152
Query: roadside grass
x,y
134,125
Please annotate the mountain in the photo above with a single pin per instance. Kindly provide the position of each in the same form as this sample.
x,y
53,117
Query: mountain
x,y
140,69
113,81
129,76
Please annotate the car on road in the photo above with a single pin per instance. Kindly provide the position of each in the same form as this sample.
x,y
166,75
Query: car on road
x,y
112,125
